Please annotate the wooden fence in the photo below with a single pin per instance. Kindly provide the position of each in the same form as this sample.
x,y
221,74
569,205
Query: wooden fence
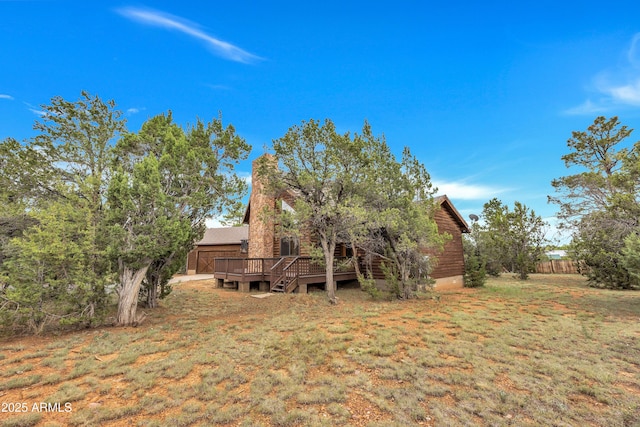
x,y
557,266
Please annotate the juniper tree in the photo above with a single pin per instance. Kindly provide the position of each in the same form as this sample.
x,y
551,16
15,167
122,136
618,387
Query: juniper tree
x,y
351,189
167,182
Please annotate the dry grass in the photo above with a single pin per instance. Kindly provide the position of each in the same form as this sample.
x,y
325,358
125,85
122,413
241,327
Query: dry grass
x,y
545,352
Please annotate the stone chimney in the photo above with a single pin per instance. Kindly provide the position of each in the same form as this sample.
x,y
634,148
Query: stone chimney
x,y
261,225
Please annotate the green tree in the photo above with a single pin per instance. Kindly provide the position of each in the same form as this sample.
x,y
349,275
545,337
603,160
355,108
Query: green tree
x,y
167,182
46,280
323,168
352,190
517,237
399,213
631,257
600,204
64,167
474,264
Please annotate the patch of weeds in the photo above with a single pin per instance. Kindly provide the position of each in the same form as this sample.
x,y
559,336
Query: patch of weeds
x,y
383,343
432,388
214,377
341,366
154,404
145,347
111,370
181,392
271,406
457,378
126,358
339,329
179,370
20,382
434,337
52,379
325,389
192,407
35,355
400,372
250,422
67,392
339,411
295,417
55,362
82,368
104,388
103,344
18,370
204,356
601,394
23,420
261,386
92,417
92,382
140,378
14,348
215,414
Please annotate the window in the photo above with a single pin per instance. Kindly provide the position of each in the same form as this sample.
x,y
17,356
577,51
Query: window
x,y
244,246
289,246
349,251
286,207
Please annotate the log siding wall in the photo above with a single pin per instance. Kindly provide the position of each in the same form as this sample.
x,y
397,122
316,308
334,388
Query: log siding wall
x,y
451,260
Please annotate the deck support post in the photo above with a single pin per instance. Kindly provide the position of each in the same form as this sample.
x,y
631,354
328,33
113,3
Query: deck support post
x,y
244,286
302,288
263,286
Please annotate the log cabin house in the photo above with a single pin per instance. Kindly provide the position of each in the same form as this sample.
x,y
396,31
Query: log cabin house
x,y
267,261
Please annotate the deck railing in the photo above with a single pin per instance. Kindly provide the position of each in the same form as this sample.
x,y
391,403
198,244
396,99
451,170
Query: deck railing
x,y
245,266
286,269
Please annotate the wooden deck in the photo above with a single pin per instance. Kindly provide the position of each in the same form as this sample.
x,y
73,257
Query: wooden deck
x,y
286,274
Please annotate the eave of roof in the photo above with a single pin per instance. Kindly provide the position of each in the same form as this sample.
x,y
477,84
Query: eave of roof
x,y
444,201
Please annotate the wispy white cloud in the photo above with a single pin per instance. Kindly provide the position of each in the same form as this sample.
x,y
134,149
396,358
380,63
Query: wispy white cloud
x,y
588,107
218,87
134,110
174,23
5,96
460,190
628,93
615,88
35,110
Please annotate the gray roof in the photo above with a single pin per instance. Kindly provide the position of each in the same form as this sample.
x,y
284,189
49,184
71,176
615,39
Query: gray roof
x,y
224,235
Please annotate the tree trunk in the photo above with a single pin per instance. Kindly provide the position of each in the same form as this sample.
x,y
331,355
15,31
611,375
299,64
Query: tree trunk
x,y
130,280
329,249
153,278
152,293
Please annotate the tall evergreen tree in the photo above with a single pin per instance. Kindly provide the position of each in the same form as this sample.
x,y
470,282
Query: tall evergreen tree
x,y
600,205
167,182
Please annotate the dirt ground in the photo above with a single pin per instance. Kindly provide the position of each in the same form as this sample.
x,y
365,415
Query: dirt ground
x,y
195,306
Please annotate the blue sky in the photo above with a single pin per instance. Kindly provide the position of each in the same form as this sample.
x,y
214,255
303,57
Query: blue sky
x,y
484,93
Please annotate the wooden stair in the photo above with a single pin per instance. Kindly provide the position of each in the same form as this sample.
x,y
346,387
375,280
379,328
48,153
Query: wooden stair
x,y
278,287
